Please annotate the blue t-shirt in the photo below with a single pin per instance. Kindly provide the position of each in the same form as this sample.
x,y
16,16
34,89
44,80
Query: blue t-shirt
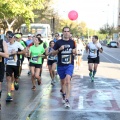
x,y
28,42
65,57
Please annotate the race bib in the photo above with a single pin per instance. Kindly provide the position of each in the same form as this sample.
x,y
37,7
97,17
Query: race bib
x,y
35,59
66,59
12,59
51,57
79,51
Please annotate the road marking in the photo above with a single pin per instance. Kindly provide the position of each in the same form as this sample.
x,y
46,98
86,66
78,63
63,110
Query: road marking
x,y
106,58
80,103
112,56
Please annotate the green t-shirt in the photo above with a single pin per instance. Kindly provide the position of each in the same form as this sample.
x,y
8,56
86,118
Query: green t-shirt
x,y
34,52
23,43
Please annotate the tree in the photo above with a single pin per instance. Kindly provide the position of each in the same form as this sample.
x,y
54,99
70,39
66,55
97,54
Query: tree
x,y
12,9
107,29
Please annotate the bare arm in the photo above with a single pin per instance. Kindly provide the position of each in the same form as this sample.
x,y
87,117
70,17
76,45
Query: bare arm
x,y
87,48
5,53
21,52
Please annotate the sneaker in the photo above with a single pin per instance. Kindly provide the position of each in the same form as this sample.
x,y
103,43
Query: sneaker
x,y
39,82
33,88
61,91
9,98
52,82
29,73
92,79
63,98
16,85
67,104
90,74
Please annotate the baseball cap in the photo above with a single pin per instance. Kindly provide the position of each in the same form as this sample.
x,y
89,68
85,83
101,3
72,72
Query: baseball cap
x,y
11,35
29,35
18,36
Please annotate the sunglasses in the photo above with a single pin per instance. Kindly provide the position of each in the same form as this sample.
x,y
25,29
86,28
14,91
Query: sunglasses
x,y
66,31
10,37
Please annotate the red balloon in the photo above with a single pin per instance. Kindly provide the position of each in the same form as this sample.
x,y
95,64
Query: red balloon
x,y
73,15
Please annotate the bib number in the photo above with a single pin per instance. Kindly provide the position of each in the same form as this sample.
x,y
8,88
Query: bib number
x,y
12,58
35,59
51,57
66,59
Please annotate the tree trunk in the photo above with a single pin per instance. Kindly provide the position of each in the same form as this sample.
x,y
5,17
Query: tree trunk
x,y
10,24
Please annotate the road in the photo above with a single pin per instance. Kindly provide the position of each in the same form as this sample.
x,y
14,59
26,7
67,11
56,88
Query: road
x,y
98,100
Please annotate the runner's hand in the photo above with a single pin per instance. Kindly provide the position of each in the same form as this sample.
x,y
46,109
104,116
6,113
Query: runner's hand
x,y
61,48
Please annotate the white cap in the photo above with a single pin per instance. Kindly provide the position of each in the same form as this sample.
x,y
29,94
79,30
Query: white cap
x,y
30,35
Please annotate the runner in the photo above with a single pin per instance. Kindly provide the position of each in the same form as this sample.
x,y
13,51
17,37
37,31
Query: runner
x,y
13,64
94,48
29,43
18,38
36,53
44,46
65,48
3,54
52,61
80,50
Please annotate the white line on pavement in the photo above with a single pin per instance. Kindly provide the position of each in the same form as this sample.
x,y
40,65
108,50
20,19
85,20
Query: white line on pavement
x,y
112,56
80,103
106,58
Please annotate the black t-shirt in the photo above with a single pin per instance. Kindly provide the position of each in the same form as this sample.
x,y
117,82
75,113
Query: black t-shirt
x,y
65,57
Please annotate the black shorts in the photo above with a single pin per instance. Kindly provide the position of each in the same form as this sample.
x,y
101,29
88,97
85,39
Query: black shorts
x,y
28,58
79,54
12,69
50,62
35,65
2,67
94,60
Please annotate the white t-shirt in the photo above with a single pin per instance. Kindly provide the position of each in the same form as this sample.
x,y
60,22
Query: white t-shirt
x,y
80,48
12,60
93,50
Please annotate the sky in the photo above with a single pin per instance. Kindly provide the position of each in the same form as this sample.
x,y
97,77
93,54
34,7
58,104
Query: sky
x,y
95,13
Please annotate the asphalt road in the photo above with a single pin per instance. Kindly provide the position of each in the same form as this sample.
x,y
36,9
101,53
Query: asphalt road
x,y
98,100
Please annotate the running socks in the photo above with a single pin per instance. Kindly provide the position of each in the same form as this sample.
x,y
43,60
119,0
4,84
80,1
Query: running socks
x,y
94,72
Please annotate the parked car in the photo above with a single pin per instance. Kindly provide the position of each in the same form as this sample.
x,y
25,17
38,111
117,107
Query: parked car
x,y
113,44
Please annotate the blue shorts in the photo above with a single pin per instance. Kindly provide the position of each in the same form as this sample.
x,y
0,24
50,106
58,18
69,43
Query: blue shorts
x,y
65,70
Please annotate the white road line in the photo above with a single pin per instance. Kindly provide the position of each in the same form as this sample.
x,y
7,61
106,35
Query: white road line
x,y
112,56
80,103
106,58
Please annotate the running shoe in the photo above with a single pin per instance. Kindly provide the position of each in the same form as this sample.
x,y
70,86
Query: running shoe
x,y
90,74
61,91
33,88
39,82
92,79
67,104
52,82
29,73
63,98
16,85
9,98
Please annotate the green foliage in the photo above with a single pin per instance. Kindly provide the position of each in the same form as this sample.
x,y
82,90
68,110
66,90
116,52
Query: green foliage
x,y
12,9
